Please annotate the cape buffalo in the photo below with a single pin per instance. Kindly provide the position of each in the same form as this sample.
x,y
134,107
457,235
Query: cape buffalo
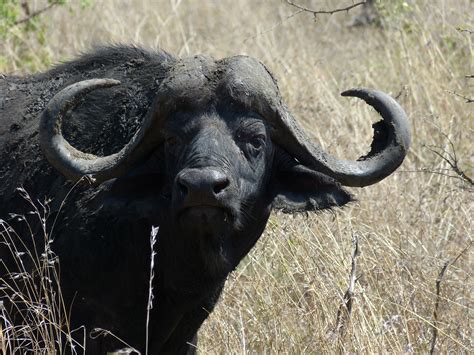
x,y
202,148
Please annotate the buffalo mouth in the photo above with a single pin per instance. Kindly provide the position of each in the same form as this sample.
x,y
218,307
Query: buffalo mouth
x,y
205,216
208,230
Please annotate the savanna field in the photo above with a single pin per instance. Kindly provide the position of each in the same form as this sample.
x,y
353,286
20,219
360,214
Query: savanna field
x,y
413,277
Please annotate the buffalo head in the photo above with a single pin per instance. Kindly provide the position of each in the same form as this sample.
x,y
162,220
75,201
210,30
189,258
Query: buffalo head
x,y
217,150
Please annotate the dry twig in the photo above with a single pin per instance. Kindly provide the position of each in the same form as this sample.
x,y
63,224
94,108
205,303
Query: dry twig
x,y
99,332
467,99
153,234
466,30
438,297
345,310
29,16
325,12
2,337
452,160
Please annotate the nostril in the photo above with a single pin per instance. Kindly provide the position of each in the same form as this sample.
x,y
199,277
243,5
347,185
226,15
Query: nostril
x,y
221,185
182,187
201,184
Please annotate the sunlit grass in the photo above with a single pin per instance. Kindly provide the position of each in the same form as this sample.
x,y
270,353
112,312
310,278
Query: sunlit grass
x,y
285,295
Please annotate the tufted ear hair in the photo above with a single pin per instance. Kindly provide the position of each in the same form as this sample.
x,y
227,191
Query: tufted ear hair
x,y
297,188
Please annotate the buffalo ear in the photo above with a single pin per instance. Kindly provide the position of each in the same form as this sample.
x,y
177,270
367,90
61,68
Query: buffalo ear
x,y
297,188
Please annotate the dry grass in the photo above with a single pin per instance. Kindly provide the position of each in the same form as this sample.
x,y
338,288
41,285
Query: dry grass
x,y
285,295
40,324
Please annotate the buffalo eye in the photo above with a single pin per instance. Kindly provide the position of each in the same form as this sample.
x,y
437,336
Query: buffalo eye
x,y
257,142
173,145
172,141
252,144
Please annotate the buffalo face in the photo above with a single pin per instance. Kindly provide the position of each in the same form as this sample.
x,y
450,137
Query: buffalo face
x,y
218,164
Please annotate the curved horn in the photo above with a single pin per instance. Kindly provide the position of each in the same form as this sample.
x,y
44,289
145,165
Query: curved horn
x,y
389,147
249,82
73,163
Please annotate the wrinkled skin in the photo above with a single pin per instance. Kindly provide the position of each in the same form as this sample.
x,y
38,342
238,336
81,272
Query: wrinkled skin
x,y
209,185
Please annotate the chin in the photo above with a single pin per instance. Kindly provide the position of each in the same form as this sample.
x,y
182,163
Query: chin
x,y
207,230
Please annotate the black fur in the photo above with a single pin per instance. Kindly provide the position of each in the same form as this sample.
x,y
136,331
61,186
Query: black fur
x,y
102,236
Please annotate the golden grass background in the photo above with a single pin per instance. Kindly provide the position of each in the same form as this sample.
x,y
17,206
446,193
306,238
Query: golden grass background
x,y
285,295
